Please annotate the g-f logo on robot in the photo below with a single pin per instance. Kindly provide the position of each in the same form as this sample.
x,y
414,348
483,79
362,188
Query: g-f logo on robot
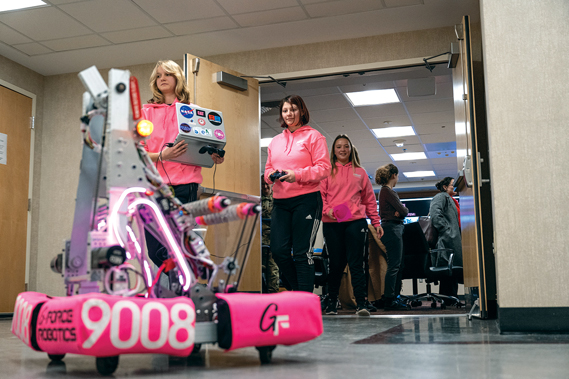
x,y
278,321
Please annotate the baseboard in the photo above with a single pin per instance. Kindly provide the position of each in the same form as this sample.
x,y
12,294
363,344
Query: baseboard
x,y
533,320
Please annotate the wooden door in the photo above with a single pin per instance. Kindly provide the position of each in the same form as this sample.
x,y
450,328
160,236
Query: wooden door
x,y
475,193
240,173
15,111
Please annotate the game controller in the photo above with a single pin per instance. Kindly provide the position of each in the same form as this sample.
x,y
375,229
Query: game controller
x,y
210,150
277,175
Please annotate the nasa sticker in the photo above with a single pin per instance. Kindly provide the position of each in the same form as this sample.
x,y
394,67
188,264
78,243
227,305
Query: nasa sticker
x,y
185,128
186,111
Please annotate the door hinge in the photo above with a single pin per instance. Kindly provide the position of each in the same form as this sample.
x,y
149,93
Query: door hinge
x,y
32,122
464,96
29,205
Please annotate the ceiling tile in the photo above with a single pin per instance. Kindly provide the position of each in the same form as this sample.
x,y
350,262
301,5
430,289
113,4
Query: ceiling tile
x,y
33,48
44,24
11,37
341,7
339,114
58,2
108,15
444,91
401,3
141,34
399,150
445,118
366,86
166,11
201,26
433,105
316,103
439,137
362,143
237,7
343,126
379,122
270,17
76,42
384,110
435,128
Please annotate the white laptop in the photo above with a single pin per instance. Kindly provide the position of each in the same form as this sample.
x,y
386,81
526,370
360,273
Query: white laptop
x,y
199,127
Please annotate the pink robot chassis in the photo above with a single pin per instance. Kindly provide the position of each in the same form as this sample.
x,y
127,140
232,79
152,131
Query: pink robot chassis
x,y
119,196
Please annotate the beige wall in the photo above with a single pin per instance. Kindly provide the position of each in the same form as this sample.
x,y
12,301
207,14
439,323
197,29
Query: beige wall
x,y
28,80
526,55
60,144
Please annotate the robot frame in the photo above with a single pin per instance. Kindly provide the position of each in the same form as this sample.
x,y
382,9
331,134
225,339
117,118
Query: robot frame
x,y
119,196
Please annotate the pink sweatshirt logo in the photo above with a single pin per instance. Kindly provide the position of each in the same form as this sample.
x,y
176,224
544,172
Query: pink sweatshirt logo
x,y
281,321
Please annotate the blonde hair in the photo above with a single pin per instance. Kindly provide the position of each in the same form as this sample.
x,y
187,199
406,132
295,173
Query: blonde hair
x,y
354,156
384,173
181,91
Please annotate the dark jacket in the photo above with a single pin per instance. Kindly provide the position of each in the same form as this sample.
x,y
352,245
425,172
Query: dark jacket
x,y
444,217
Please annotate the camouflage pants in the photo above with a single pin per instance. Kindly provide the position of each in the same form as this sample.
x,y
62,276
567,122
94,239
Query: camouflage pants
x,y
271,271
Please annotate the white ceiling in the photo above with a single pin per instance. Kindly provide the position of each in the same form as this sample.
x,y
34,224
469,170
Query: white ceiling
x,y
70,35
432,118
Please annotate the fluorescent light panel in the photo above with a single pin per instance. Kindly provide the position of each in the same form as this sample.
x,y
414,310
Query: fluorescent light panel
x,y
372,97
265,142
418,174
408,156
11,5
394,131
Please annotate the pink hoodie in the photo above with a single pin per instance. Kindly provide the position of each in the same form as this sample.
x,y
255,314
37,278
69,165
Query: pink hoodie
x,y
163,116
306,153
352,188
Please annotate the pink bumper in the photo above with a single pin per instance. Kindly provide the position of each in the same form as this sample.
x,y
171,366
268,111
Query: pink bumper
x,y
103,325
285,318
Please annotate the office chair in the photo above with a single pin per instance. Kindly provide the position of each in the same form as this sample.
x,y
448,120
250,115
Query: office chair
x,y
421,262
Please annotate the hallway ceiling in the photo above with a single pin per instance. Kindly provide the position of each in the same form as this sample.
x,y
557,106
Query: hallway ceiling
x,y
70,35
432,118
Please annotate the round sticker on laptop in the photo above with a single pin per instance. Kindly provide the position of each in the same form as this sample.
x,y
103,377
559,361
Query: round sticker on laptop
x,y
201,121
186,111
219,134
214,118
185,128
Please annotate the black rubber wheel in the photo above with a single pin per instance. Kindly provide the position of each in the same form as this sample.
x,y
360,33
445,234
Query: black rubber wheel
x,y
416,303
197,348
434,304
265,353
107,365
443,306
56,357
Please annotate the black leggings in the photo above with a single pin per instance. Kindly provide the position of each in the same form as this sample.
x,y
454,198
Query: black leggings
x,y
156,251
345,242
295,222
393,241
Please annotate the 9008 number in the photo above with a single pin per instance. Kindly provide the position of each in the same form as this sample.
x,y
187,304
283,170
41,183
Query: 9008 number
x,y
140,324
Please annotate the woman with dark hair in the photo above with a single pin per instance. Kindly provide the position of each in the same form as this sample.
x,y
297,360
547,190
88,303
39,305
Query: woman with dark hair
x,y
347,197
169,87
392,213
445,217
299,155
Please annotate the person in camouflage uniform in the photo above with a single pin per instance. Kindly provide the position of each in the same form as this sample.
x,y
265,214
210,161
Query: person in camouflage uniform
x,y
270,268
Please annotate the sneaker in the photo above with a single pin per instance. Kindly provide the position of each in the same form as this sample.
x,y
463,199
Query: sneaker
x,y
332,307
396,305
362,311
369,306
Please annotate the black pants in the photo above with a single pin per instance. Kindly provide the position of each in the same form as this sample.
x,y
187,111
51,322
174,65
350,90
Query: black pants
x,y
393,241
345,242
156,251
295,222
449,286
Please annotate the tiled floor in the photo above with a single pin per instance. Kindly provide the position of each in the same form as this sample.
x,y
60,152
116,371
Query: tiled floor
x,y
445,346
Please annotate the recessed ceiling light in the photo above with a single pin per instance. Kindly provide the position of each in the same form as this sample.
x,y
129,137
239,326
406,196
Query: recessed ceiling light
x,y
394,131
418,174
265,142
11,5
373,97
408,156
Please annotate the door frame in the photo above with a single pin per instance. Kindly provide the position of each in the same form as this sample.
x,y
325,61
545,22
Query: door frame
x,y
32,96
